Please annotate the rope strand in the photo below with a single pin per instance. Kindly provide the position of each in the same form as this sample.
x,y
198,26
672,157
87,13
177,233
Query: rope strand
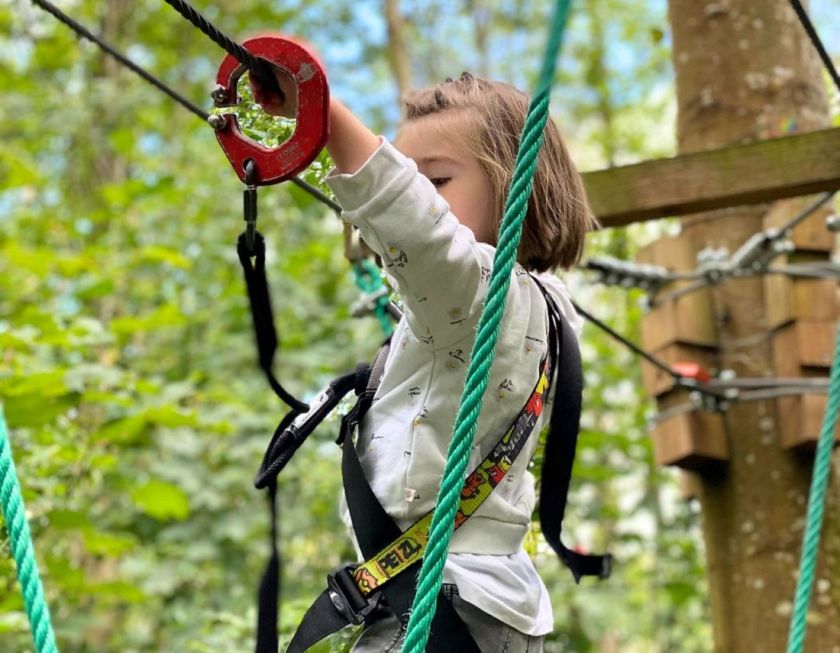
x,y
481,360
816,504
82,31
257,66
14,514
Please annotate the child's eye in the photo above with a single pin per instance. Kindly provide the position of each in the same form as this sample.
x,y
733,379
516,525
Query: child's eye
x,y
437,182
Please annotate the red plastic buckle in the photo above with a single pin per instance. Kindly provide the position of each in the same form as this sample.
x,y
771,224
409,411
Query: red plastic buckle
x,y
279,163
692,371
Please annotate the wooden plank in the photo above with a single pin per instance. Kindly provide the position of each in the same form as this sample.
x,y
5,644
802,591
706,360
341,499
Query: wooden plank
x,y
694,441
800,421
804,344
731,176
800,299
687,319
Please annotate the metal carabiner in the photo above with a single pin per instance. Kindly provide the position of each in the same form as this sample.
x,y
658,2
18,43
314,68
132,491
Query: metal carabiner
x,y
273,165
249,205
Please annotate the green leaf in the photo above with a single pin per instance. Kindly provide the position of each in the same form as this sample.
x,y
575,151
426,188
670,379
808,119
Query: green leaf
x,y
35,410
161,500
126,430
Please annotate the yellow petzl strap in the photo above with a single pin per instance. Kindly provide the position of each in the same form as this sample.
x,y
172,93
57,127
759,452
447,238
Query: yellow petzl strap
x,y
409,547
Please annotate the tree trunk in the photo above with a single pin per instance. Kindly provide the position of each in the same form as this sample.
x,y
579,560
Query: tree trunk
x,y
397,50
481,16
746,71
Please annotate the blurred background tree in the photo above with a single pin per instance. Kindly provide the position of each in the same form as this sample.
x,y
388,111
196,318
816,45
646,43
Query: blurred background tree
x,y
127,367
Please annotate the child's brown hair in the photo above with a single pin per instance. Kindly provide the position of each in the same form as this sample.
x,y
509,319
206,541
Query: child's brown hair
x,y
558,214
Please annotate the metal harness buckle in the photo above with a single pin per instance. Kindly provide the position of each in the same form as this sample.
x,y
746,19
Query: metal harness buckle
x,y
347,598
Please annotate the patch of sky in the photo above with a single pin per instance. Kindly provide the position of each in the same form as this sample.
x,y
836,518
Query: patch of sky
x,y
141,55
150,143
826,19
83,226
18,52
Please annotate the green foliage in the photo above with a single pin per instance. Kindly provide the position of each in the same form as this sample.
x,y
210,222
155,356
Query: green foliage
x,y
126,357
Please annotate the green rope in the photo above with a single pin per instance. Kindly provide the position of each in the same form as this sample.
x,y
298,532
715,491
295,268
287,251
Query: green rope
x,y
484,350
816,502
14,515
369,281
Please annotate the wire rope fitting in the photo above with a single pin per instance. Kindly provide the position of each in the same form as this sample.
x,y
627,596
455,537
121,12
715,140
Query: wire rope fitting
x,y
217,121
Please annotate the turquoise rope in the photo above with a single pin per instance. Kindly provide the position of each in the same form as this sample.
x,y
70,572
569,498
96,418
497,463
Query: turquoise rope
x,y
369,280
484,349
816,502
14,515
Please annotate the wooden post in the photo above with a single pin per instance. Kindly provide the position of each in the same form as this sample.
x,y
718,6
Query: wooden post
x,y
745,72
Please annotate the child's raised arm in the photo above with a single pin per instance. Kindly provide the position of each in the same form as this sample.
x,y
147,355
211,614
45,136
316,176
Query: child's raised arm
x,y
441,269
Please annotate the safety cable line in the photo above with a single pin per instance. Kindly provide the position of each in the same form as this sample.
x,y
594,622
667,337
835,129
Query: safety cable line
x,y
82,31
20,539
805,213
317,194
154,81
430,577
258,67
683,381
815,39
753,257
816,505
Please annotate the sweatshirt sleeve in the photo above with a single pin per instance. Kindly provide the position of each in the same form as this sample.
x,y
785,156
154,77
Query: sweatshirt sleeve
x,y
441,271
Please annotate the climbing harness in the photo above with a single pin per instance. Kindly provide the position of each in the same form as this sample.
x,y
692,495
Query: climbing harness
x,y
385,582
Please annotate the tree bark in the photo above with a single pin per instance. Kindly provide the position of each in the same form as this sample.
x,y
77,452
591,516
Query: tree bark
x,y
745,71
397,49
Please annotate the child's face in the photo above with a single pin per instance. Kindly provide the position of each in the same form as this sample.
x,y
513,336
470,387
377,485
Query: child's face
x,y
443,157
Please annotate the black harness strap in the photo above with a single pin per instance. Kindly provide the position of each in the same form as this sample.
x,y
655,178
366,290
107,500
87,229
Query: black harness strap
x,y
560,446
288,437
262,315
375,528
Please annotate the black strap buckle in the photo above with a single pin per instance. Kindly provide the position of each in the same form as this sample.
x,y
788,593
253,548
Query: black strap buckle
x,y
347,598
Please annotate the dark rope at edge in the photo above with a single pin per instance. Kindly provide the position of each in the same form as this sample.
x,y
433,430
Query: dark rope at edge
x,y
815,39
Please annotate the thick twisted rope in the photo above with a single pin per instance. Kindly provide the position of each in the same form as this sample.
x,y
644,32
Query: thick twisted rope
x,y
484,350
257,66
20,538
816,503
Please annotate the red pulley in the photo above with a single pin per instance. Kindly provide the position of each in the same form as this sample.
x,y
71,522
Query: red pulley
x,y
279,163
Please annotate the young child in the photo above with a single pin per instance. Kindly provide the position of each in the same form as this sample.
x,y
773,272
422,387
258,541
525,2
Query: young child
x,y
430,206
